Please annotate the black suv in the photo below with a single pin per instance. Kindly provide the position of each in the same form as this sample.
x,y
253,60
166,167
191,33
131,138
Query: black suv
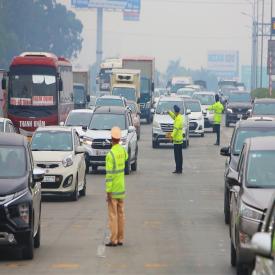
x,y
20,195
244,129
237,105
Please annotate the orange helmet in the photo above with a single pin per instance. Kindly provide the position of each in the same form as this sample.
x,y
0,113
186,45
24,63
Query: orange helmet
x,y
116,133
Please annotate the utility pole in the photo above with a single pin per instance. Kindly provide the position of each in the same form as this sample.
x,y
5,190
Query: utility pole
x,y
269,54
99,38
262,46
254,47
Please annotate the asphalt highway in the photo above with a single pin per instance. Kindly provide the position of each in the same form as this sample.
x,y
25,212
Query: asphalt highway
x,y
174,223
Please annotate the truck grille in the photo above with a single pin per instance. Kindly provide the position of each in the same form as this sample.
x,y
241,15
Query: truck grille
x,y
102,144
193,125
166,127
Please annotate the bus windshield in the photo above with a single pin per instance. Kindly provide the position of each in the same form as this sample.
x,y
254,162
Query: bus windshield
x,y
128,93
32,89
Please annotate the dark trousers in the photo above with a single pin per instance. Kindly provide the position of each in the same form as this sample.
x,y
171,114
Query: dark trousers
x,y
217,129
178,157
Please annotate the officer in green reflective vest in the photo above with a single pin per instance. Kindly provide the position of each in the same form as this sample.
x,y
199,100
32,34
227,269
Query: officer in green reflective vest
x,y
177,138
217,107
115,188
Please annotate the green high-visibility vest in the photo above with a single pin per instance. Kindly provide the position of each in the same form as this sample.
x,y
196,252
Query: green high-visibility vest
x,y
218,109
115,165
177,134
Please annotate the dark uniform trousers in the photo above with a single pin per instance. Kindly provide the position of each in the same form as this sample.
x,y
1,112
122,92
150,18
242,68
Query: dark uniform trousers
x,y
178,157
217,129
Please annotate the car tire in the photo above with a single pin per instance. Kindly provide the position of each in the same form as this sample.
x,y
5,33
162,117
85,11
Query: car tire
x,y
155,144
94,168
75,194
149,120
28,249
82,192
127,169
241,269
226,206
227,124
185,144
135,164
37,237
202,135
233,255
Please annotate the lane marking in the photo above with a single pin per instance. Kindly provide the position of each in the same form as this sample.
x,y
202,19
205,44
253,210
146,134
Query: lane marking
x,y
65,266
16,265
155,266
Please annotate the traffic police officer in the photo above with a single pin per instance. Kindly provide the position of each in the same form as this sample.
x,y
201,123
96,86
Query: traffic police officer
x,y
115,188
177,137
217,107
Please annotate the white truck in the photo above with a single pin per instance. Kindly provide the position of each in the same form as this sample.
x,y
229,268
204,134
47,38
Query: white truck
x,y
146,65
126,83
81,79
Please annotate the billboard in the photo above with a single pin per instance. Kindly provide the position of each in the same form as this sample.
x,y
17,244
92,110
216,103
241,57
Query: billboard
x,y
271,57
132,10
224,64
107,4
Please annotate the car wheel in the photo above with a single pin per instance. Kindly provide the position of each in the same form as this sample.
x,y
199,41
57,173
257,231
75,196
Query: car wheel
x,y
37,237
241,269
134,165
94,168
155,144
202,135
138,135
226,206
83,191
28,250
184,145
233,255
227,124
75,194
148,120
128,165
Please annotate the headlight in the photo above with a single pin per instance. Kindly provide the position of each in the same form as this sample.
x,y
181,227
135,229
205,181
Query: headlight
x,y
229,110
87,141
68,161
250,213
123,141
24,212
156,124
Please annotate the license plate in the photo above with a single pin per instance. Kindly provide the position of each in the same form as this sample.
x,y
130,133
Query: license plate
x,y
239,116
102,152
49,179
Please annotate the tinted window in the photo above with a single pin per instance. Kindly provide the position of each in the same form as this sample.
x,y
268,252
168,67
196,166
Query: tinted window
x,y
243,134
109,102
193,106
205,99
165,106
239,97
260,169
52,141
79,119
11,157
107,121
264,109
1,126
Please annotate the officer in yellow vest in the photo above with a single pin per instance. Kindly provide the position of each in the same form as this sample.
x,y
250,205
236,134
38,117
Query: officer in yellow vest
x,y
177,138
115,188
217,107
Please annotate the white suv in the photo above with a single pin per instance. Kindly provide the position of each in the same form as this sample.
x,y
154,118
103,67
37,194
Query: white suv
x,y
98,135
163,123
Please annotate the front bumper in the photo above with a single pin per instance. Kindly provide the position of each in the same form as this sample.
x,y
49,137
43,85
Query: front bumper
x,y
160,137
196,127
56,180
233,118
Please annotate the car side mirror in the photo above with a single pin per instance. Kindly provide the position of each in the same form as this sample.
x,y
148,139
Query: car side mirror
x,y
84,128
4,83
188,112
62,123
261,245
38,175
80,150
88,98
131,129
225,151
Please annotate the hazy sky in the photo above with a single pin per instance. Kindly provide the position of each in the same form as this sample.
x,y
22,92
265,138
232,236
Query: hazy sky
x,y
171,29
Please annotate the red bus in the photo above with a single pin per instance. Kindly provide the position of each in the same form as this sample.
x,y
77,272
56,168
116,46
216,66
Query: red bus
x,y
40,90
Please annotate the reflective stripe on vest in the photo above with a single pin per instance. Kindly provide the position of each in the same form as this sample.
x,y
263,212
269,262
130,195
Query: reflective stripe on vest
x,y
114,172
118,193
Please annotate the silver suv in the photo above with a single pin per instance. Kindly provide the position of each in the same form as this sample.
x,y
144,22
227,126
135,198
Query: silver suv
x,y
97,137
163,123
